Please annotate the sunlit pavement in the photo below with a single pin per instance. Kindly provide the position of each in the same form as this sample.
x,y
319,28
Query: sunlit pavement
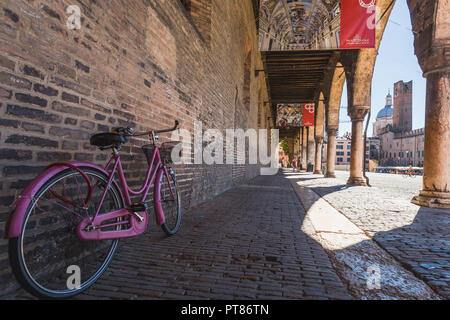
x,y
416,237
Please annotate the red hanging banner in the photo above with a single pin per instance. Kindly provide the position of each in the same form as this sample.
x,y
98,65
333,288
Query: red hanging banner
x,y
308,114
358,24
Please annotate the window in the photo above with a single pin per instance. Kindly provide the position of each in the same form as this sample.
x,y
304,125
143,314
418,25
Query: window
x,y
340,159
348,159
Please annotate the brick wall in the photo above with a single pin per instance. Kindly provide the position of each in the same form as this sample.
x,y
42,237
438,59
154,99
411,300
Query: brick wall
x,y
141,63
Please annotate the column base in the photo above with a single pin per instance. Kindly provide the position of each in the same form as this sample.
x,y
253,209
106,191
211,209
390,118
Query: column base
x,y
357,181
432,199
330,175
317,172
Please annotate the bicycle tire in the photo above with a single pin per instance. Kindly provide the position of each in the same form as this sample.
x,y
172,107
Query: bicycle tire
x,y
171,229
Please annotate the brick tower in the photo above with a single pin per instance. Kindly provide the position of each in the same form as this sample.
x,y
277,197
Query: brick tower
x,y
403,106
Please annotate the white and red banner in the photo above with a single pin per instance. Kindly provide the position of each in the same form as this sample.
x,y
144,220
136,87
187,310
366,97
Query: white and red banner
x,y
358,24
308,114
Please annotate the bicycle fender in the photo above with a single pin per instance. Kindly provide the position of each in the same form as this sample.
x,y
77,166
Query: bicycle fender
x,y
15,219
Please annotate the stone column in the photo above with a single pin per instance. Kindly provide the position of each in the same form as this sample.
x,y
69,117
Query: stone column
x,y
430,21
311,148
331,151
304,147
436,166
318,162
358,148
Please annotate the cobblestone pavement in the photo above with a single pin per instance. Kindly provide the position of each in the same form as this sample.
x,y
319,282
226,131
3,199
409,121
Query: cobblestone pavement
x,y
247,243
419,238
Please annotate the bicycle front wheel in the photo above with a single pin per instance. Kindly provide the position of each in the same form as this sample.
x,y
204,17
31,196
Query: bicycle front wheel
x,y
170,202
48,258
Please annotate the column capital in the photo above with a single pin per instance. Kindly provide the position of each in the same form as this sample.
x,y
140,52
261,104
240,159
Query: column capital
x,y
318,140
332,130
357,113
429,20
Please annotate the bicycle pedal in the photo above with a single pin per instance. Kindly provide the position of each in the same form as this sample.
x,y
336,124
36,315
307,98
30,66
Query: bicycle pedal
x,y
139,207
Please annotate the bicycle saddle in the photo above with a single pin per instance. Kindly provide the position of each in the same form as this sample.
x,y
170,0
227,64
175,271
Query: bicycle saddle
x,y
108,139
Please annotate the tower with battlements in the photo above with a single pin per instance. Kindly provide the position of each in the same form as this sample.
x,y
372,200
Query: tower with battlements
x,y
403,106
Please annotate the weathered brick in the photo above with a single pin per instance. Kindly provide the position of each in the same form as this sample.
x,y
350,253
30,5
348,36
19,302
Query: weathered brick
x,y
81,66
9,123
94,106
8,30
4,93
22,170
100,117
45,90
102,128
32,72
69,85
14,81
31,141
50,12
66,71
58,106
87,125
19,184
13,154
31,99
71,121
70,97
30,113
6,63
69,133
70,145
34,127
54,156
11,15
84,157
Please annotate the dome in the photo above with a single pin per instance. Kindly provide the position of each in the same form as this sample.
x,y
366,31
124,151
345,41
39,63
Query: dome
x,y
386,112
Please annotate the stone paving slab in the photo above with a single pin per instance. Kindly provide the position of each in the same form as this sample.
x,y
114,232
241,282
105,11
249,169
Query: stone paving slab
x,y
248,243
419,238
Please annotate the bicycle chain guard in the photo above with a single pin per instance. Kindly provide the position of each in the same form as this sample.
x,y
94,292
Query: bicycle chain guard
x,y
89,230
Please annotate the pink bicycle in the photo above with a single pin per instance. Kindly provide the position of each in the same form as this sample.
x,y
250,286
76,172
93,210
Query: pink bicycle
x,y
65,228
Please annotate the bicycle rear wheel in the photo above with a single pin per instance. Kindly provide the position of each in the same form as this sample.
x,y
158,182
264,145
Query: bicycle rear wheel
x,y
48,258
171,203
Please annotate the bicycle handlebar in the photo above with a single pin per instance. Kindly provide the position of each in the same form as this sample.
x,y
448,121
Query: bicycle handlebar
x,y
177,123
129,131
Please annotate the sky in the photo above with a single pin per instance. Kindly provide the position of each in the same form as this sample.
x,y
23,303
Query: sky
x,y
396,61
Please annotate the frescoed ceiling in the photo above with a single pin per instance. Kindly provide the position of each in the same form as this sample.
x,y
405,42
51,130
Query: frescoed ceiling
x,y
295,21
